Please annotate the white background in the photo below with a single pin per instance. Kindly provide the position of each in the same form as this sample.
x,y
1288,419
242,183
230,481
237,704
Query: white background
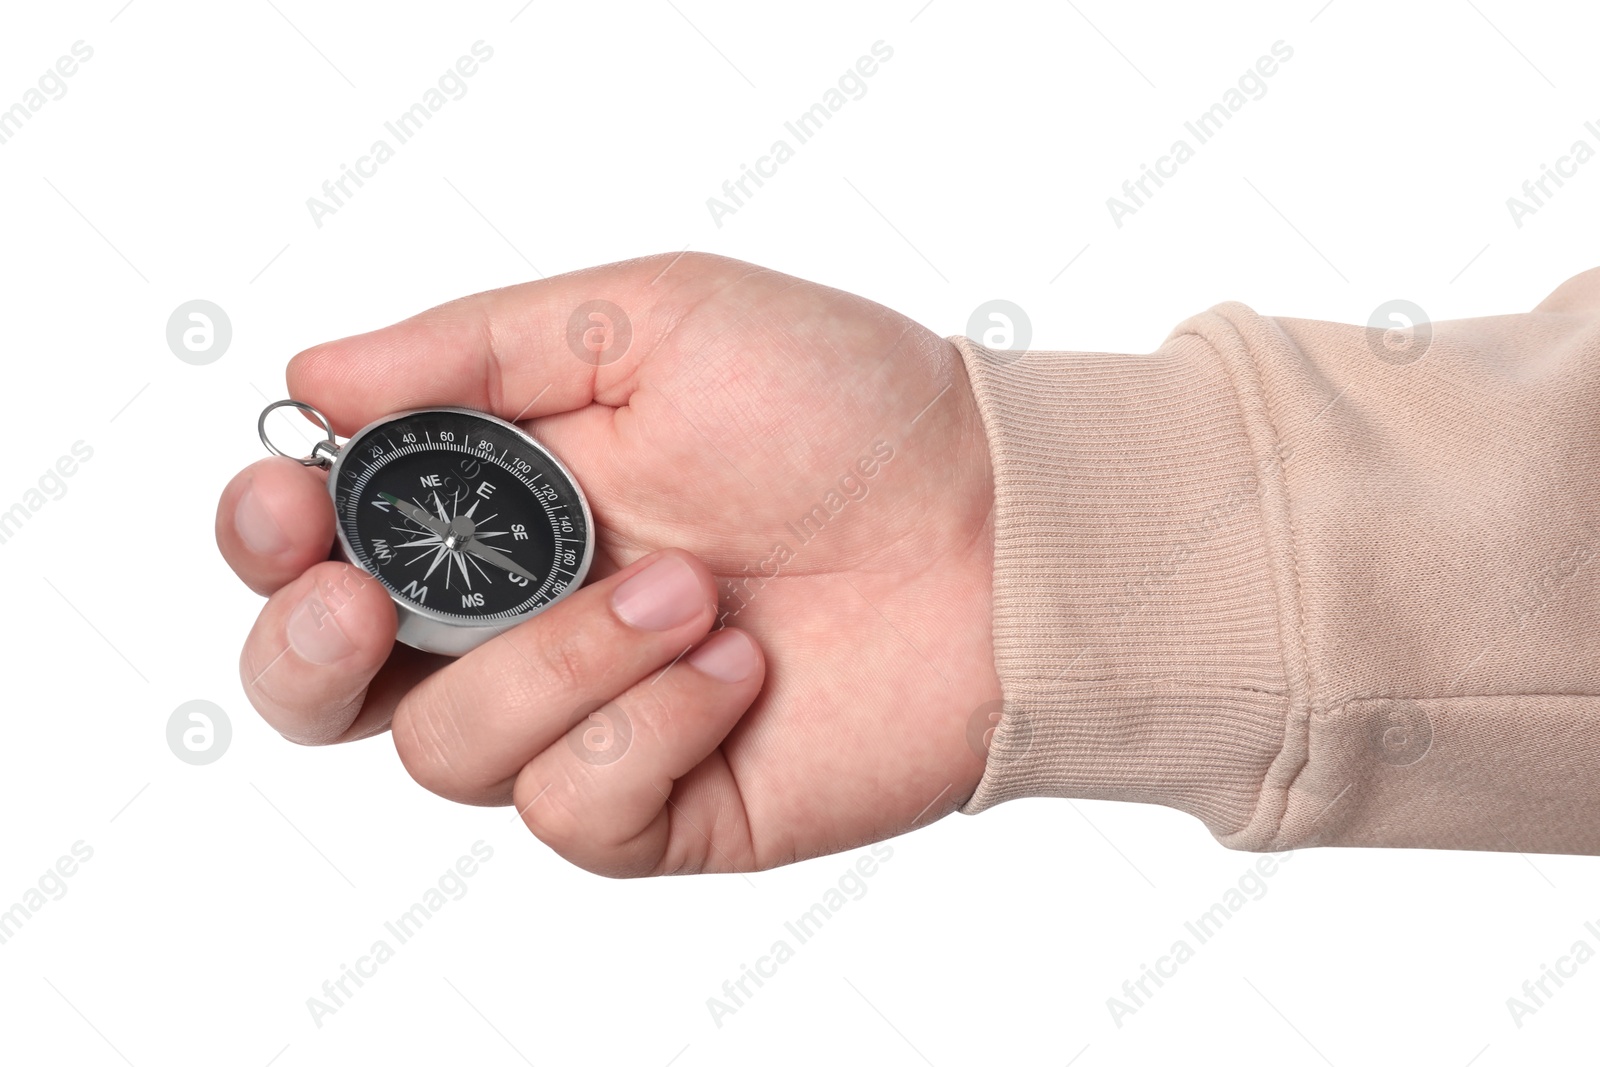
x,y
219,898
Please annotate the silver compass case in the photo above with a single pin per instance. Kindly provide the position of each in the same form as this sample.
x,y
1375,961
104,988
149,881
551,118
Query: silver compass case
x,y
427,628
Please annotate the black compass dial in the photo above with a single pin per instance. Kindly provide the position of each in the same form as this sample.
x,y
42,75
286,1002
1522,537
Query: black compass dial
x,y
461,515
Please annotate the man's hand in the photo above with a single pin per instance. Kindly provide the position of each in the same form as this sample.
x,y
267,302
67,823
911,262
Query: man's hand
x,y
799,473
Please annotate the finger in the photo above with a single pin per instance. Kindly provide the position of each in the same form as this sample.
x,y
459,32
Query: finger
x,y
403,671
314,650
468,730
520,353
274,520
600,797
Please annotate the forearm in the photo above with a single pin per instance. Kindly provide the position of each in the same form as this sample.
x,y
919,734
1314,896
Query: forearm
x,y
1307,589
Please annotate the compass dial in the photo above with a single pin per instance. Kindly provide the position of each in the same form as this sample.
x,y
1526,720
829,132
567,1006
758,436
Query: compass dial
x,y
469,523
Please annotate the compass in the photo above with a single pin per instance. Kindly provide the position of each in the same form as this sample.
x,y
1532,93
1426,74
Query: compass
x,y
470,524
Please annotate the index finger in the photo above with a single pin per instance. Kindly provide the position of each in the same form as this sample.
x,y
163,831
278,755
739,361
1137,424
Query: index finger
x,y
520,352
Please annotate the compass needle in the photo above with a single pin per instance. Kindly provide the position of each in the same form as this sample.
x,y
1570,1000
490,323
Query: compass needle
x,y
500,559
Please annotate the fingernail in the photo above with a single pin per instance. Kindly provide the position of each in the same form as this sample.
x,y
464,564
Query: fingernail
x,y
728,656
663,595
257,528
314,633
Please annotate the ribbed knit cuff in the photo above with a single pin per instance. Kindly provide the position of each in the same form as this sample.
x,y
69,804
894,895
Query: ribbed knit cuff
x,y
1136,614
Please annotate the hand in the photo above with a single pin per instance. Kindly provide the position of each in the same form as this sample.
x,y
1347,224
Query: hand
x,y
800,468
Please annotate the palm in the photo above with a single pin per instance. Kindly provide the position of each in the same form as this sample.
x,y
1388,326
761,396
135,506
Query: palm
x,y
823,455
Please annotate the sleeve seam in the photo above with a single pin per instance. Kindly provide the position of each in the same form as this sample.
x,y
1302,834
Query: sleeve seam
x,y
1293,759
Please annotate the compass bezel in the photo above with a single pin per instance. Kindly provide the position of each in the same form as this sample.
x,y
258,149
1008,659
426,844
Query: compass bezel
x,y
430,629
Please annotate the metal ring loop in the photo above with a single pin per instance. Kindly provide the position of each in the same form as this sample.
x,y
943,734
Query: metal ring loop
x,y
322,452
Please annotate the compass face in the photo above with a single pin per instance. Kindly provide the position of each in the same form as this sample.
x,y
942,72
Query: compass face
x,y
468,522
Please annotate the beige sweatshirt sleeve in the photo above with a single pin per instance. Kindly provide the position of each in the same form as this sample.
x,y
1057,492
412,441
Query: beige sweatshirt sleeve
x,y
1311,583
